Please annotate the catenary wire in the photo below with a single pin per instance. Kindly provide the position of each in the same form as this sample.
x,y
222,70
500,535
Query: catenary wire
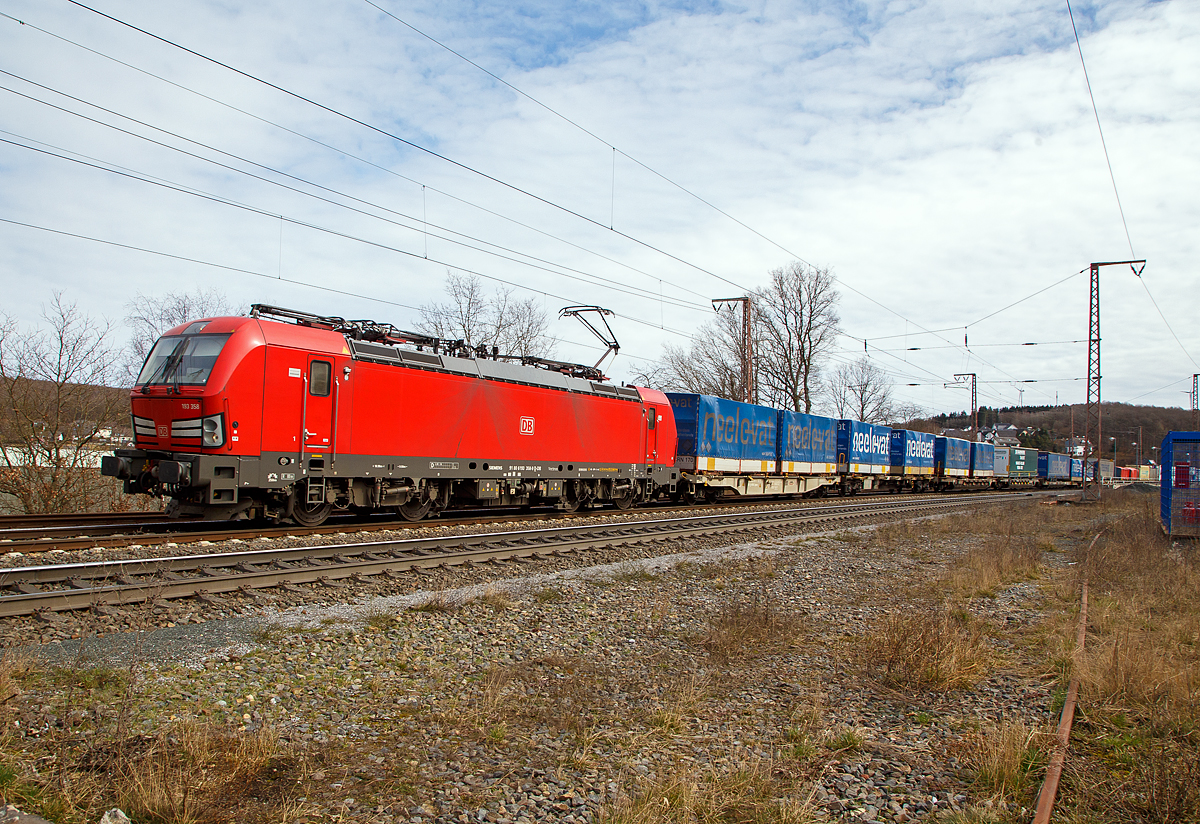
x,y
265,276
201,262
652,170
348,117
1100,129
375,244
406,142
333,111
1113,178
349,154
590,133
613,284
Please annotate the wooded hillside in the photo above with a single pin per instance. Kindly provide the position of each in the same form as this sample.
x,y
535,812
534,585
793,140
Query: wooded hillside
x,y
1118,420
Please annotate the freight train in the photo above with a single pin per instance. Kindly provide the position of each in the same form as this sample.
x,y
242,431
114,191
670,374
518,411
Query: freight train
x,y
286,415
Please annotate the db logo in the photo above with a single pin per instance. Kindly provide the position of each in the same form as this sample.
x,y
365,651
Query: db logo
x,y
526,426
163,432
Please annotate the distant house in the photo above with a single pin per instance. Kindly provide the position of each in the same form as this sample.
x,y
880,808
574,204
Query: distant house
x,y
1004,434
1077,447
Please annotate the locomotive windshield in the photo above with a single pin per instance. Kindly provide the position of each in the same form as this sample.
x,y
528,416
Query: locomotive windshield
x,y
181,360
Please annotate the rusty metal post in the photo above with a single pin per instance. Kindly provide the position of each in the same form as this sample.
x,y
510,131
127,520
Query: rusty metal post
x,y
1091,417
974,404
1091,420
750,385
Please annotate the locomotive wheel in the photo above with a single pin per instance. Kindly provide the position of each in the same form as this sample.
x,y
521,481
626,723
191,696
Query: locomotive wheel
x,y
414,510
306,514
570,500
624,502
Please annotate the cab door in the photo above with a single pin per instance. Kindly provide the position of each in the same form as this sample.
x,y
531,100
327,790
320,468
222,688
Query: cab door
x,y
318,404
651,434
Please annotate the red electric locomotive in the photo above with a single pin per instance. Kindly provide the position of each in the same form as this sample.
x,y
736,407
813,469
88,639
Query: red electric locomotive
x,y
244,417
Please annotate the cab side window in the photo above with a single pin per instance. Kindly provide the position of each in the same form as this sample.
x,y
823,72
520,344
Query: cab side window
x,y
319,378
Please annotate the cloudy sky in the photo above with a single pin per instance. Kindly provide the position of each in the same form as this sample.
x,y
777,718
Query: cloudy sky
x,y
942,158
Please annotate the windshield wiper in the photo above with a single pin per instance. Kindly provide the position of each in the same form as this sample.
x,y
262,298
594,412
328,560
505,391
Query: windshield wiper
x,y
169,365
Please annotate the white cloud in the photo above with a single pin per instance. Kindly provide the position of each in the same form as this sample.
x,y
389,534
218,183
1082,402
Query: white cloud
x,y
941,157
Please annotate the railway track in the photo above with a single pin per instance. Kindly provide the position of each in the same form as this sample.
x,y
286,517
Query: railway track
x,y
42,533
28,590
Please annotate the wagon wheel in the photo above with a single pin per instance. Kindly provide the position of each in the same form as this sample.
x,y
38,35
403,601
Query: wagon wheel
x,y
414,510
309,514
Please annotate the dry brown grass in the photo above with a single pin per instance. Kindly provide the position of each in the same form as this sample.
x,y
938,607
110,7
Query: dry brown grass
x,y
925,646
73,761
749,795
190,774
749,627
999,560
1138,740
1006,760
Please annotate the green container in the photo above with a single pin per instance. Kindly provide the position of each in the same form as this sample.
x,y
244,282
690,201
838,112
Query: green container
x,y
1022,463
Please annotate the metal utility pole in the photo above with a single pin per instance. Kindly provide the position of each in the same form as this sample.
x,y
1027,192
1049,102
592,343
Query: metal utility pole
x,y
974,403
751,385
1091,419
1195,403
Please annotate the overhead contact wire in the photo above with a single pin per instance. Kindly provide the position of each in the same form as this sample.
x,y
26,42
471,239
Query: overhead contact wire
x,y
134,175
346,153
601,280
406,142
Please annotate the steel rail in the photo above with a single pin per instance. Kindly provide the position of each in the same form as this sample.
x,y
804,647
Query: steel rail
x,y
35,539
1049,792
117,583
77,519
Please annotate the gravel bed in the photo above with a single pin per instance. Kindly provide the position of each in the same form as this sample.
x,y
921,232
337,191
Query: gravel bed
x,y
548,692
51,628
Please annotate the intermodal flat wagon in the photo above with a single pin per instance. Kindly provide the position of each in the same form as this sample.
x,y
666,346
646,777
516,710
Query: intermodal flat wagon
x,y
1053,467
1022,463
807,444
720,435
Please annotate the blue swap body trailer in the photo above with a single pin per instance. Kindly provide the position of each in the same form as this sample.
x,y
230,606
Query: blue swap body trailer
x,y
730,447
864,454
1053,467
951,461
808,448
983,463
1179,484
910,455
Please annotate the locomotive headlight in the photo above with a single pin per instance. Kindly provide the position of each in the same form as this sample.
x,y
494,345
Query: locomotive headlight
x,y
213,431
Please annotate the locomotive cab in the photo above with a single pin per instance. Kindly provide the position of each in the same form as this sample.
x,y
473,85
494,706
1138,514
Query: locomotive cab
x,y
186,433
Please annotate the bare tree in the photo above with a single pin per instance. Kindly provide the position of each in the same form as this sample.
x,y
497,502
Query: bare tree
x,y
148,316
55,398
862,390
710,365
796,324
908,416
516,327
